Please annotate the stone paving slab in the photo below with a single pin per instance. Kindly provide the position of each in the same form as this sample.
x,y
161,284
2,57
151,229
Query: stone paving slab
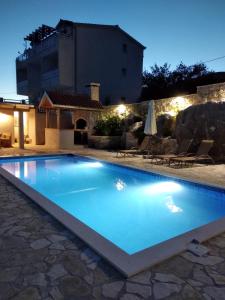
x,y
41,259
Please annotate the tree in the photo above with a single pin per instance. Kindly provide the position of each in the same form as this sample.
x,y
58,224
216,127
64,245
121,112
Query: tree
x,y
160,82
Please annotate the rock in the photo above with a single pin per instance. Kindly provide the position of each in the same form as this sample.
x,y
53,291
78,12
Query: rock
x,y
57,271
143,278
40,244
215,292
198,121
209,260
142,290
163,290
168,278
111,290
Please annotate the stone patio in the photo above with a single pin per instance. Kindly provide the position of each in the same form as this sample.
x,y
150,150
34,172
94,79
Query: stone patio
x,y
41,259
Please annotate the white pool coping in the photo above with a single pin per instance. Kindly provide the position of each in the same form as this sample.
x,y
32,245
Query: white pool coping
x,y
128,265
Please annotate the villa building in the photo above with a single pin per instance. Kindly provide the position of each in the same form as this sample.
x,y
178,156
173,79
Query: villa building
x,y
71,55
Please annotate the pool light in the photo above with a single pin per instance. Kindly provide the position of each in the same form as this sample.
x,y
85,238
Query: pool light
x,y
162,187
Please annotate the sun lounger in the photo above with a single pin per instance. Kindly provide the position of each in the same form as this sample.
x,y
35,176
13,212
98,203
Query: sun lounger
x,y
182,150
142,149
202,155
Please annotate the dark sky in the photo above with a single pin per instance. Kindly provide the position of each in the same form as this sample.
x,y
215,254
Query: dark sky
x,y
172,30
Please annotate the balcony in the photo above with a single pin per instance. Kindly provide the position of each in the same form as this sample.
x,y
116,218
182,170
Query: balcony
x,y
44,48
50,79
22,87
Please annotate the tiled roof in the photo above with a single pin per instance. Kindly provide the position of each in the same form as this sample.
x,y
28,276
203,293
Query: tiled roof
x,y
81,100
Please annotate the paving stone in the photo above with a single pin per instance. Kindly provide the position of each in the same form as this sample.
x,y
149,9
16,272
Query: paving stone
x,y
56,294
89,256
28,294
209,260
219,279
55,238
163,290
218,241
40,244
176,265
89,278
142,290
201,276
57,246
111,290
129,297
143,278
216,293
74,287
168,278
194,283
189,293
36,279
9,274
57,271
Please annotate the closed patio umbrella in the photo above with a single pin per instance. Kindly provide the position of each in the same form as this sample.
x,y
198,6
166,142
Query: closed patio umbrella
x,y
150,123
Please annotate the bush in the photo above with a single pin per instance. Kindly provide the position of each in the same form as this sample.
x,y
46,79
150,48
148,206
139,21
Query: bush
x,y
109,125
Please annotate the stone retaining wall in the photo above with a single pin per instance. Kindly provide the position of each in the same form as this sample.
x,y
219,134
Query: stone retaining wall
x,y
212,93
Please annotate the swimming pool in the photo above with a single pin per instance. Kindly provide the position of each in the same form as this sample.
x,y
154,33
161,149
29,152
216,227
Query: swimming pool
x,y
125,211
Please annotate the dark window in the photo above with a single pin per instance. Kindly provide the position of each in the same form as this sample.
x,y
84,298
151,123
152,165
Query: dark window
x,y
125,48
124,71
81,124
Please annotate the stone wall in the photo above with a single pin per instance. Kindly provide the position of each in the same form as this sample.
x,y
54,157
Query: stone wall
x,y
212,92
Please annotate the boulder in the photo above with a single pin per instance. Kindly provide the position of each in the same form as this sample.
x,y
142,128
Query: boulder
x,y
203,121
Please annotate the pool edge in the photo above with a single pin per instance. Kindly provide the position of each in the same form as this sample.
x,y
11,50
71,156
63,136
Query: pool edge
x,y
128,265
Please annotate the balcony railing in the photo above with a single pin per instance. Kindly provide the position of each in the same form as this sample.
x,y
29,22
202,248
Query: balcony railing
x,y
37,50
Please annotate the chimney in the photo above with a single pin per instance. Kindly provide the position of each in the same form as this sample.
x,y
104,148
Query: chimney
x,y
94,90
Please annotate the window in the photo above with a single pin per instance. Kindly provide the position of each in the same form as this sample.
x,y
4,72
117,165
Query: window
x,y
124,71
125,48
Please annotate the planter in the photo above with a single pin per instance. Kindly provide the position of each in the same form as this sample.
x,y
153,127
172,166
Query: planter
x,y
104,142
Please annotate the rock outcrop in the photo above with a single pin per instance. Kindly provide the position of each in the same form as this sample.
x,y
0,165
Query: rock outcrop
x,y
203,121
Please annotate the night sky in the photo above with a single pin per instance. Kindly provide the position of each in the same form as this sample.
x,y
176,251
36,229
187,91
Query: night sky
x,y
172,30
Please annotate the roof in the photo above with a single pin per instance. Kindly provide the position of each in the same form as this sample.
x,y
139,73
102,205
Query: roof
x,y
114,27
58,99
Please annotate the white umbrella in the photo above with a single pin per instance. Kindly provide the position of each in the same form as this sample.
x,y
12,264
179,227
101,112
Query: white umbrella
x,y
150,123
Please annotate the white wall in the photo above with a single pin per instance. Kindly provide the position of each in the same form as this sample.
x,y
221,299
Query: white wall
x,y
59,139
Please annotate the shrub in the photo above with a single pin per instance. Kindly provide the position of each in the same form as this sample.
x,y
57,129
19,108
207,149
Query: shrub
x,y
109,125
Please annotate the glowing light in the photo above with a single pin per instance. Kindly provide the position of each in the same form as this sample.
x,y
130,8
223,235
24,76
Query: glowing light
x,y
4,118
121,109
172,206
95,164
120,185
177,104
163,187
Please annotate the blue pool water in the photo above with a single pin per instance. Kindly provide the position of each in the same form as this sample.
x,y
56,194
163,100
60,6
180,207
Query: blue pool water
x,y
131,208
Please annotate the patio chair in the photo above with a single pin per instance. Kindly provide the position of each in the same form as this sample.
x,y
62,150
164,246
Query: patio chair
x,y
142,149
202,155
5,140
182,150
